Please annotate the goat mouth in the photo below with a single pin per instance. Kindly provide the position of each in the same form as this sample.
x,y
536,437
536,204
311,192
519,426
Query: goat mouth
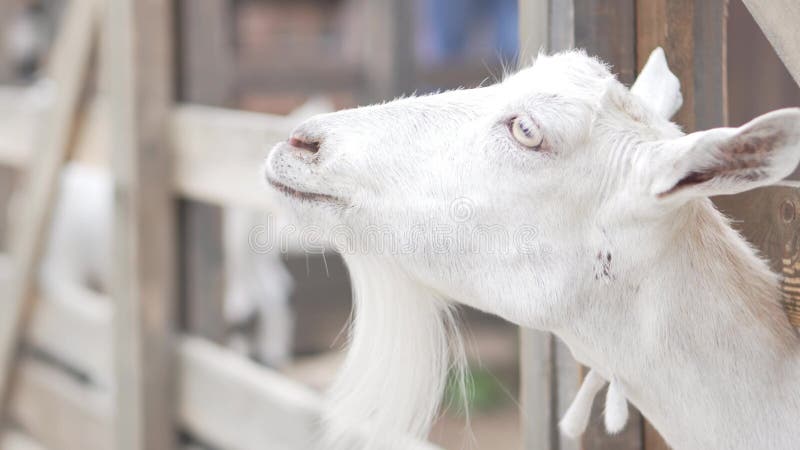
x,y
302,195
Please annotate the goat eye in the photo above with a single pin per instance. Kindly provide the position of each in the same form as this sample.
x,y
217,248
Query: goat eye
x,y
526,132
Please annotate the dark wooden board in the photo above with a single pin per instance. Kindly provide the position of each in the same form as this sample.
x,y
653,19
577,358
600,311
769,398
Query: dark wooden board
x,y
205,74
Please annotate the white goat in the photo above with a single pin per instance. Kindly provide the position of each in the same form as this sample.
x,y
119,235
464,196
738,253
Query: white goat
x,y
611,243
79,255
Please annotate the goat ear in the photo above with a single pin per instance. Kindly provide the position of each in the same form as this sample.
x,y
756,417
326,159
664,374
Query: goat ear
x,y
729,160
657,87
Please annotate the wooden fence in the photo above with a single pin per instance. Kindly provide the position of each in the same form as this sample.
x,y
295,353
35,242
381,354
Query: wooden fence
x,y
70,391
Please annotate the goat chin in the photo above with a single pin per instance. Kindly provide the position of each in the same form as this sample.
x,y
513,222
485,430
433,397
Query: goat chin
x,y
403,343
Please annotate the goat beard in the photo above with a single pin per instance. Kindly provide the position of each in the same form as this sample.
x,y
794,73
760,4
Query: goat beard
x,y
403,344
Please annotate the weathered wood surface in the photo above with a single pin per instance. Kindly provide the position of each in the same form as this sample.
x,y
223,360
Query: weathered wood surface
x,y
569,380
538,390
59,411
534,32
206,55
218,153
389,51
7,181
538,399
778,20
68,69
220,392
74,329
607,28
205,72
138,62
561,27
710,64
202,270
7,10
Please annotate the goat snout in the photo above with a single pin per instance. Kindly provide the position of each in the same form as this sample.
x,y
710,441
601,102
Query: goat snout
x,y
303,146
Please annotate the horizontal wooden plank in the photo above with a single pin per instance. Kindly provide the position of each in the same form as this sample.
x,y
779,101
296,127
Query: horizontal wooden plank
x,y
219,153
74,329
58,411
229,402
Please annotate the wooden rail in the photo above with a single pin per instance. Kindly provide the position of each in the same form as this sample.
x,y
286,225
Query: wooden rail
x,y
218,153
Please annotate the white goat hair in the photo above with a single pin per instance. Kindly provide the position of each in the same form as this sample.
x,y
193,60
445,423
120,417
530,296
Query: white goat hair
x,y
608,239
407,372
616,413
658,88
79,255
575,420
79,251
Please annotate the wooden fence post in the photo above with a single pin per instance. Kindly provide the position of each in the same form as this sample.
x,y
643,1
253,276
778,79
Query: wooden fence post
x,y
6,176
139,56
205,74
7,9
537,349
389,52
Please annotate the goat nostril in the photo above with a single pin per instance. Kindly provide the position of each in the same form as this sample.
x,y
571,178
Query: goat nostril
x,y
311,146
